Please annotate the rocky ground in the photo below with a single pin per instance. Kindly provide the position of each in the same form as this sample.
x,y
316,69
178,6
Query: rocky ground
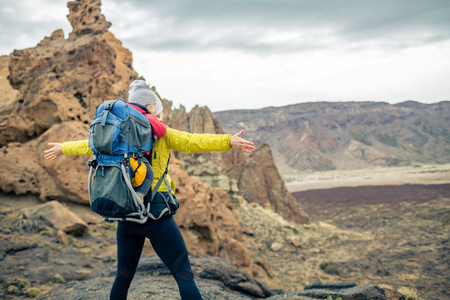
x,y
404,234
39,261
393,236
35,257
388,232
403,247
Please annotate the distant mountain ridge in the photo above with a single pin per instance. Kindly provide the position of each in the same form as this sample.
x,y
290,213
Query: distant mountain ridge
x,y
347,135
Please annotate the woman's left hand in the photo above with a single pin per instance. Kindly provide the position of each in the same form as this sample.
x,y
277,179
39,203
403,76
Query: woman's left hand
x,y
240,144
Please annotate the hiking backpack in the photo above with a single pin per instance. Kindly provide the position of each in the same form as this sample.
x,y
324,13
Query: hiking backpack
x,y
117,133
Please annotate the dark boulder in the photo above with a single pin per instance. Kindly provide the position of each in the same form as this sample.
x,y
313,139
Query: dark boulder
x,y
211,269
363,292
216,278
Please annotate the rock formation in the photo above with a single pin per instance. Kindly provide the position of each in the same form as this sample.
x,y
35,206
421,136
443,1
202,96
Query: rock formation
x,y
86,18
261,182
63,80
253,176
52,91
23,168
207,219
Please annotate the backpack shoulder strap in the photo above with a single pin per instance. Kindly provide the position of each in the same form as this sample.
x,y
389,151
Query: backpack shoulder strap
x,y
108,105
155,190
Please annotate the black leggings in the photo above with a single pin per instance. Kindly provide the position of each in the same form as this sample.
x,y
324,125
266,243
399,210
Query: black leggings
x,y
167,242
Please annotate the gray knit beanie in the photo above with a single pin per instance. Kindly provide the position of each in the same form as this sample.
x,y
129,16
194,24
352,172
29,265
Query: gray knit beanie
x,y
140,93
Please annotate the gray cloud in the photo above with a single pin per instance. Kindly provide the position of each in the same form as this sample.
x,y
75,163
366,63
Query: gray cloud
x,y
25,23
193,25
294,28
252,25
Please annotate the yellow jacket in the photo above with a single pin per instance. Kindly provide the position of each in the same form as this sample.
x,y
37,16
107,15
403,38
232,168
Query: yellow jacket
x,y
173,140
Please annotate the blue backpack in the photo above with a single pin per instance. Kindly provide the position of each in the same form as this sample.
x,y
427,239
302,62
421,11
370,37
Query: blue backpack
x,y
117,132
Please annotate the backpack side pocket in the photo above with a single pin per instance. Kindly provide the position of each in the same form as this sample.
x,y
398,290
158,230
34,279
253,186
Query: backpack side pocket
x,y
110,196
103,137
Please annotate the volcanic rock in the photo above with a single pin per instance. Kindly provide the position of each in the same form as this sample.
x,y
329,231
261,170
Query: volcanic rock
x,y
63,80
216,279
275,247
51,93
363,292
86,18
57,216
261,183
23,168
254,176
207,219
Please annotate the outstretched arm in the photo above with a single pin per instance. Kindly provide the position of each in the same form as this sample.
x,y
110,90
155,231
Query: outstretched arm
x,y
180,141
205,142
240,144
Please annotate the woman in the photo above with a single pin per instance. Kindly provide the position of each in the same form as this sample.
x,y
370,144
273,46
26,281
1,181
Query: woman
x,y
163,234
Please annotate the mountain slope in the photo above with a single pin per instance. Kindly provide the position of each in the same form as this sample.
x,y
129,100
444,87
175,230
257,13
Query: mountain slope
x,y
347,135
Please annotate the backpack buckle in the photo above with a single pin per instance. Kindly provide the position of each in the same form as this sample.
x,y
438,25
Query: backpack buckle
x,y
124,161
109,104
93,163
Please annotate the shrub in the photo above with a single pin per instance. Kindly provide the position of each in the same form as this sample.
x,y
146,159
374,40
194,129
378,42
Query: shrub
x,y
329,267
387,139
12,289
32,292
410,293
59,278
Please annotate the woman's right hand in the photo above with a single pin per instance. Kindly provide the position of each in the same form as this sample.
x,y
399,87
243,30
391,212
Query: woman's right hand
x,y
240,144
54,152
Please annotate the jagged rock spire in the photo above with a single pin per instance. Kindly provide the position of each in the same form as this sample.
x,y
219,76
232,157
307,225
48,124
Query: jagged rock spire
x,y
86,18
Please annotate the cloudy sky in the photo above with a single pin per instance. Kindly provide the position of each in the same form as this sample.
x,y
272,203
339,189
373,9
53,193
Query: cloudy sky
x,y
232,54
